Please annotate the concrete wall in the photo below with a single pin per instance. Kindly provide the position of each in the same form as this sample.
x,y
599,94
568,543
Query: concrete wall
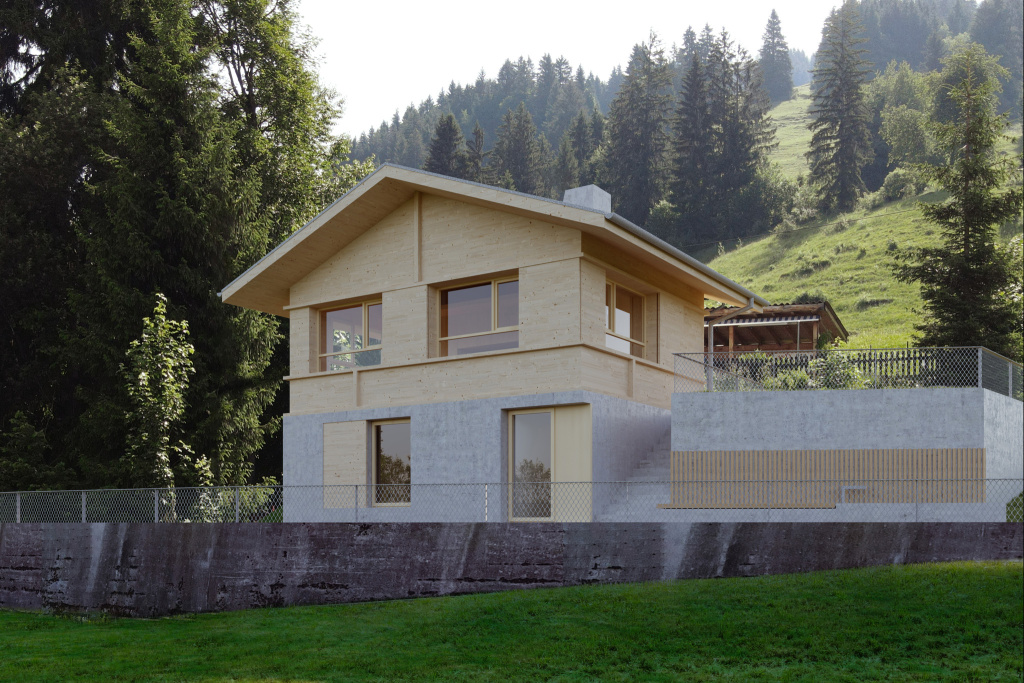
x,y
464,442
1004,436
805,420
148,570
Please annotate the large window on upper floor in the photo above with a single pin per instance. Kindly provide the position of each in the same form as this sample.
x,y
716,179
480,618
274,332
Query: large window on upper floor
x,y
350,337
624,320
479,317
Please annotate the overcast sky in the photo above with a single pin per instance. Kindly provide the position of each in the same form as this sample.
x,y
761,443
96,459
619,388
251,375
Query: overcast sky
x,y
382,56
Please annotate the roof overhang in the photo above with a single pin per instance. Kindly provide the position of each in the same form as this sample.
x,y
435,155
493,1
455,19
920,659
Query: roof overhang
x,y
265,286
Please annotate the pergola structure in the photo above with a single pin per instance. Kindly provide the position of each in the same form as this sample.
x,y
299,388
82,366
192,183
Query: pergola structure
x,y
782,327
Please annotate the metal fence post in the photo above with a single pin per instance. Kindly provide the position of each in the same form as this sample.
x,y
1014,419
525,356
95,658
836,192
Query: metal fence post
x,y
236,505
83,507
979,367
1009,384
17,508
156,505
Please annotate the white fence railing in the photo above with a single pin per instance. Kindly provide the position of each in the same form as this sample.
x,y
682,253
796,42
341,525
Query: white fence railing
x,y
876,500
961,366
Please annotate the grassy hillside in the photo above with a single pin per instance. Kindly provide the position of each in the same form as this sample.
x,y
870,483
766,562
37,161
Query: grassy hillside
x,y
940,622
846,259
791,119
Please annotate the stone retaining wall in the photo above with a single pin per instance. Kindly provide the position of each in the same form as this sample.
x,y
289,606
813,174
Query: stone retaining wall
x,y
148,570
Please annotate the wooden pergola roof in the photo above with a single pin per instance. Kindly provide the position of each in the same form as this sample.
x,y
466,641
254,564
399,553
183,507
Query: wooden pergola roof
x,y
780,327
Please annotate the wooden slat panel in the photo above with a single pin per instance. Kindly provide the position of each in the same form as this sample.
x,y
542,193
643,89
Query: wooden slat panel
x,y
817,478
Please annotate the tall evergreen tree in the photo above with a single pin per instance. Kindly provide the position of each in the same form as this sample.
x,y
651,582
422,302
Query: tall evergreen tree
x,y
446,154
775,63
567,170
518,152
840,140
693,149
476,157
638,133
961,280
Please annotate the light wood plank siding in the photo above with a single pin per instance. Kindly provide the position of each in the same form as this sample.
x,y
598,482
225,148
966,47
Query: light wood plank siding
x,y
592,303
303,346
378,260
465,241
405,316
549,304
345,458
823,478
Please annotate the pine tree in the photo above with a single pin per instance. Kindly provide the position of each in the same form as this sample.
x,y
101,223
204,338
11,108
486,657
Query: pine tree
x,y
693,148
446,154
476,157
517,152
961,280
840,140
567,170
637,133
775,63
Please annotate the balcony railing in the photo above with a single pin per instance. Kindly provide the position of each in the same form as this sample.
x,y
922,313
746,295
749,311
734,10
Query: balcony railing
x,y
910,368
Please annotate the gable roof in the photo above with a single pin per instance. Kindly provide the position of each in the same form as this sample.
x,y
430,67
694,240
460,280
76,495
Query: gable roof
x,y
265,286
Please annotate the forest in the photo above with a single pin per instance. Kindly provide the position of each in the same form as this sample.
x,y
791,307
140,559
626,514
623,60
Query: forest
x,y
151,151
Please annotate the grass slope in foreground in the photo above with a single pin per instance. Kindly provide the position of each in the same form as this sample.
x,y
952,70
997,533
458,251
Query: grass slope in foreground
x,y
940,622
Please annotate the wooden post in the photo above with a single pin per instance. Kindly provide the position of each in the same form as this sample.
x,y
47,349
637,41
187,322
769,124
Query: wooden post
x,y
732,329
814,334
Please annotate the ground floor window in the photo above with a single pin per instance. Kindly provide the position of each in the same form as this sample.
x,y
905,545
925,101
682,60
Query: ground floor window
x,y
392,463
530,452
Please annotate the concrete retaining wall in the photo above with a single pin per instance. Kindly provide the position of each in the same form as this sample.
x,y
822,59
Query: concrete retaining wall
x,y
157,569
842,419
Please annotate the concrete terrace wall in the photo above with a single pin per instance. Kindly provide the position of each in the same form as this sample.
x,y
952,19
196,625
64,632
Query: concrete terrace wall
x,y
848,419
148,570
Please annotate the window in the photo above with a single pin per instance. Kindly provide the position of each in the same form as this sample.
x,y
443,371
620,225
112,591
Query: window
x,y
350,336
624,320
530,464
392,463
480,317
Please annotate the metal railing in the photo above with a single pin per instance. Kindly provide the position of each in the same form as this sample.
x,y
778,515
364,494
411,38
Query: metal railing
x,y
869,500
957,366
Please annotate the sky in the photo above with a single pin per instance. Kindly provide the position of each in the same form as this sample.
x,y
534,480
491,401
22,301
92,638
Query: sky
x,y
383,56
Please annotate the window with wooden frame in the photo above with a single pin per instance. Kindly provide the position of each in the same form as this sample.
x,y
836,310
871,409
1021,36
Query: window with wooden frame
x,y
350,337
483,316
531,447
624,319
391,469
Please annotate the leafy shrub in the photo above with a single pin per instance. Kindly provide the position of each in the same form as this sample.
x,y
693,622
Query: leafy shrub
x,y
835,371
902,183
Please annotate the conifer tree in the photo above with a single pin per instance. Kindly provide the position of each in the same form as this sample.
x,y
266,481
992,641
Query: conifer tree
x,y
961,280
567,170
637,133
775,63
446,154
517,152
476,157
840,140
693,148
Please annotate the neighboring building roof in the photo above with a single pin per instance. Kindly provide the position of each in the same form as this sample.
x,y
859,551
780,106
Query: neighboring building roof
x,y
776,325
265,286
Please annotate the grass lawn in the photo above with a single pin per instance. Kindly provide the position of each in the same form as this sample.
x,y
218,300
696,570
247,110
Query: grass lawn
x,y
794,137
948,622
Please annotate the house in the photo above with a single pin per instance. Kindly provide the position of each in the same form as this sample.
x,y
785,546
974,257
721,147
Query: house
x,y
445,332
779,327
461,352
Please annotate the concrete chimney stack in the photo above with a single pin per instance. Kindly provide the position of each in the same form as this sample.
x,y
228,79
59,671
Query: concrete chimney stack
x,y
589,197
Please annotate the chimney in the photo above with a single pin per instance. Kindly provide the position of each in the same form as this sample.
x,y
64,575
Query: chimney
x,y
589,197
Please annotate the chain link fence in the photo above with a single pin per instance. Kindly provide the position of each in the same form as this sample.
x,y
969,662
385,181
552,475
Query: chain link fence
x,y
948,367
878,500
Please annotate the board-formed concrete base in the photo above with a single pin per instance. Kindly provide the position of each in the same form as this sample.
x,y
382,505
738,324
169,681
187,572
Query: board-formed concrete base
x,y
148,570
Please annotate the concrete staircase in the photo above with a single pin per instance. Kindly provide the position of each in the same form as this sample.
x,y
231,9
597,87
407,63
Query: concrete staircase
x,y
637,499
